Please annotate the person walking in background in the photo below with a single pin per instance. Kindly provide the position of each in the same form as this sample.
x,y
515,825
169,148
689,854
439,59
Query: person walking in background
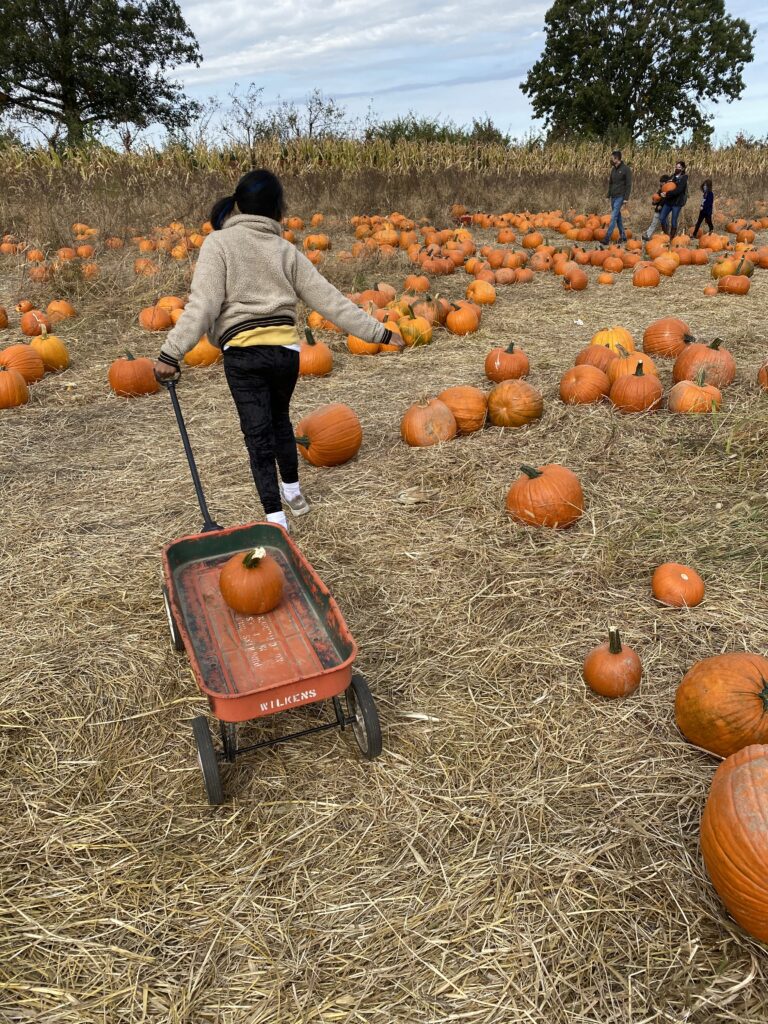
x,y
619,189
658,201
675,199
707,204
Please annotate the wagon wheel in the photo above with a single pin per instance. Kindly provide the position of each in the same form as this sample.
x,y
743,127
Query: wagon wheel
x,y
229,740
208,760
176,642
365,717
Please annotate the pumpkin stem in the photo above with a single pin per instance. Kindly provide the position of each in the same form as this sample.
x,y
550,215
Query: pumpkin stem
x,y
688,339
639,371
309,336
716,343
614,641
763,694
303,441
410,310
253,558
530,471
623,351
700,377
511,347
129,355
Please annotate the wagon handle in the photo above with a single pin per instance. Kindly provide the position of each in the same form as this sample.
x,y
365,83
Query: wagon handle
x,y
208,524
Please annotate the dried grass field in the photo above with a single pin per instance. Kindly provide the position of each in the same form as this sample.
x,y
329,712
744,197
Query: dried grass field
x,y
523,852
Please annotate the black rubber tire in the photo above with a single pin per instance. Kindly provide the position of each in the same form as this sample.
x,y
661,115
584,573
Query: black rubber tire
x,y
229,740
208,760
366,727
176,642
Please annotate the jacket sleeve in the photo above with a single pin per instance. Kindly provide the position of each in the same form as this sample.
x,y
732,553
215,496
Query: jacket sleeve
x,y
318,293
206,297
627,183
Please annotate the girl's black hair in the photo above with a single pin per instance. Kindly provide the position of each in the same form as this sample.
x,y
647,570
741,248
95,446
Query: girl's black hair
x,y
258,193
707,183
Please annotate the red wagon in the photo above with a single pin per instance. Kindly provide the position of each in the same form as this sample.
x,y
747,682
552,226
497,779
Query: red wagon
x,y
254,666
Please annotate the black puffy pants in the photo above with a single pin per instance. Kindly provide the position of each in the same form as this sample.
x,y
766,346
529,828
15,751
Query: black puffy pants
x,y
261,379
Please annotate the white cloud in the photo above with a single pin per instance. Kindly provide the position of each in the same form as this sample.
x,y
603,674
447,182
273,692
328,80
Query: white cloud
x,y
455,59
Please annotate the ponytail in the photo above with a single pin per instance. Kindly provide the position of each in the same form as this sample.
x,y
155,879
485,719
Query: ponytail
x,y
221,210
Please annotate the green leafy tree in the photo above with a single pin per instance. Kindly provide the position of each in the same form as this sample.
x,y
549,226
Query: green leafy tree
x,y
626,69
82,65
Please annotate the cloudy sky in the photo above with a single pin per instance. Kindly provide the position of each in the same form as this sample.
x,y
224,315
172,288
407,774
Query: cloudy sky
x,y
455,60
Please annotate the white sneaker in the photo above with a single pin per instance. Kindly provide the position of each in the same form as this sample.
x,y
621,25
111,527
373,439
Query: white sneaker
x,y
299,505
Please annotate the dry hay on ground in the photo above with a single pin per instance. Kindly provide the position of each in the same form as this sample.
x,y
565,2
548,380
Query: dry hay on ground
x,y
522,851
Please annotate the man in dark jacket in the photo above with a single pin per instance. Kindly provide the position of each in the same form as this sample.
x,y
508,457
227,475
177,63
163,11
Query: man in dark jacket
x,y
675,200
619,189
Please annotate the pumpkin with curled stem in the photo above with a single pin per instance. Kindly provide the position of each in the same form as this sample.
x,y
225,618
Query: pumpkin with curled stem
x,y
329,436
612,669
734,837
52,351
722,702
614,338
546,496
252,584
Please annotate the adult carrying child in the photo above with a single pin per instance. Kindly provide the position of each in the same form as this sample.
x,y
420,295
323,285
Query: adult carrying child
x,y
244,291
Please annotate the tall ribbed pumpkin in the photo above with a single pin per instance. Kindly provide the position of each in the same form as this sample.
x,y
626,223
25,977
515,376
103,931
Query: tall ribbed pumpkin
x,y
734,837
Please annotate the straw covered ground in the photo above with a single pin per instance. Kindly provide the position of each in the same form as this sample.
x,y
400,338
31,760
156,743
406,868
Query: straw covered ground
x,y
522,851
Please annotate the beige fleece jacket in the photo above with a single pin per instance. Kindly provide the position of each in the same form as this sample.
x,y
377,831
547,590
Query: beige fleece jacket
x,y
248,274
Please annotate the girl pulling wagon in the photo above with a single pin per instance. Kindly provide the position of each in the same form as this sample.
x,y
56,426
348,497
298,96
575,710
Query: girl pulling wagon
x,y
243,295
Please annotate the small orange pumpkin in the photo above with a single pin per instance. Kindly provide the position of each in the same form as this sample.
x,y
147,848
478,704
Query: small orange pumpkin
x,y
612,669
252,584
677,585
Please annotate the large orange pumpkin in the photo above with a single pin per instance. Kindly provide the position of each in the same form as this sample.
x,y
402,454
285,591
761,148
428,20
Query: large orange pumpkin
x,y
513,403
25,361
546,496
734,837
428,423
722,703
716,363
203,353
584,384
130,377
52,351
329,436
677,585
506,363
469,406
666,337
636,392
13,388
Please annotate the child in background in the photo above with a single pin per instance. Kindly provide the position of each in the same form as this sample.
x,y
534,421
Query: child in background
x,y
658,201
707,203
